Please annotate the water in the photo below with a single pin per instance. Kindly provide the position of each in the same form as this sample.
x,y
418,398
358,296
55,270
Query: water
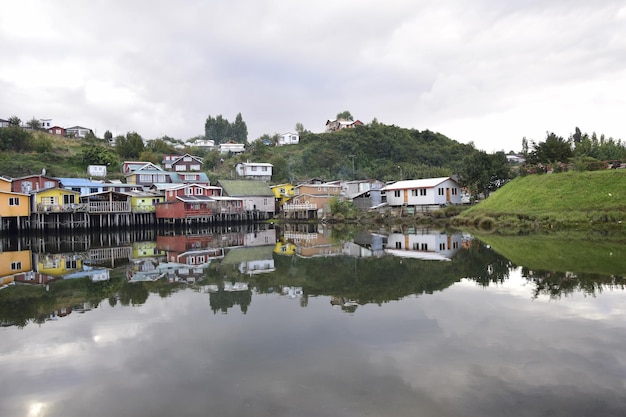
x,y
304,322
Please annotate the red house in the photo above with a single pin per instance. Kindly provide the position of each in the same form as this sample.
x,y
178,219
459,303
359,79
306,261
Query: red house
x,y
190,249
189,201
30,183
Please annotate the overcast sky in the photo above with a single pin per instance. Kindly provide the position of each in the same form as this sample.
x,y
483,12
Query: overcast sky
x,y
486,71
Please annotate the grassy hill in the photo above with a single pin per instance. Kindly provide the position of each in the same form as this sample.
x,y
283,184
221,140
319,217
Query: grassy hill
x,y
570,199
374,151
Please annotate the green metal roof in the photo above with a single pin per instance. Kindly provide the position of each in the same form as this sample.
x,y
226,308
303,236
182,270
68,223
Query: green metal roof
x,y
245,188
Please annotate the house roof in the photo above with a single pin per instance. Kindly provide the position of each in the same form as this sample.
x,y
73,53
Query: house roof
x,y
79,182
141,165
35,176
194,198
411,184
257,164
77,128
237,188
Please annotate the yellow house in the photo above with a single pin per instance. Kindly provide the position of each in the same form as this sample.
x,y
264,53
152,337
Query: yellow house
x,y
56,200
285,248
144,201
14,204
58,264
5,184
145,249
15,262
283,192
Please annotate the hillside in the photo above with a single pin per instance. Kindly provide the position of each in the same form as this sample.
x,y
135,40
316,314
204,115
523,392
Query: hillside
x,y
570,199
375,151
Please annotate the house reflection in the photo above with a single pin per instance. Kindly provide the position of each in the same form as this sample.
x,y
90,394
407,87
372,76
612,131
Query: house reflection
x,y
423,244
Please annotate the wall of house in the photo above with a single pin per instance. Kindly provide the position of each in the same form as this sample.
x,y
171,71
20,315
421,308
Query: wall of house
x,y
15,262
22,209
170,210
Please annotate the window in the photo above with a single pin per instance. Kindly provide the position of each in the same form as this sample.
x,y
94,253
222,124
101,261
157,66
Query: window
x,y
442,246
398,245
14,201
16,266
396,193
145,178
69,199
265,201
440,191
188,191
187,159
454,191
71,264
77,189
264,169
422,191
160,177
181,168
47,201
424,246
194,167
198,191
93,190
253,168
49,184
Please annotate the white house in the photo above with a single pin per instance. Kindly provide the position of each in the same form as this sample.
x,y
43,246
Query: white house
x,y
77,131
424,244
232,147
424,193
4,123
205,144
254,170
288,139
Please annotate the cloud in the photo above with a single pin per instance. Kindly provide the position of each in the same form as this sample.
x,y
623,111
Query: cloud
x,y
483,71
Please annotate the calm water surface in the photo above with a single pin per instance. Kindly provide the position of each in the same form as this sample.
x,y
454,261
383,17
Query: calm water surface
x,y
332,327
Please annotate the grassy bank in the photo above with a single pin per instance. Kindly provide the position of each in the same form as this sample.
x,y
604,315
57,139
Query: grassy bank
x,y
565,200
564,251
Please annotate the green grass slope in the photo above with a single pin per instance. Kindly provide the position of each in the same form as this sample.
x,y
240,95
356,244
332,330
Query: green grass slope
x,y
570,199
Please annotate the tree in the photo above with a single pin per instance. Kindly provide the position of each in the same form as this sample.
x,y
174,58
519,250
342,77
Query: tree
x,y
15,121
130,146
239,130
554,149
14,138
108,136
483,173
34,124
524,146
217,129
98,155
345,115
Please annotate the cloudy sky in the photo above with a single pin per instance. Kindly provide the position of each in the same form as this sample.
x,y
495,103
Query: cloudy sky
x,y
486,71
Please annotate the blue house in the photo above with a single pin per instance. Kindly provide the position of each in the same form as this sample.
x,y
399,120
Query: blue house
x,y
82,185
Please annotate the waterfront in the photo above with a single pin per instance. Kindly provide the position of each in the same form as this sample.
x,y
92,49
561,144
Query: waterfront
x,y
306,322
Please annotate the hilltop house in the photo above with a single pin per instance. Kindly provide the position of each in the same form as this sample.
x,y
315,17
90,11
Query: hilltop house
x,y
182,163
233,147
78,131
254,171
288,139
339,124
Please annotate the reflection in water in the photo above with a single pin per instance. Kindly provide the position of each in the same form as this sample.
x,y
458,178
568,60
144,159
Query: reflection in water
x,y
231,264
302,320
